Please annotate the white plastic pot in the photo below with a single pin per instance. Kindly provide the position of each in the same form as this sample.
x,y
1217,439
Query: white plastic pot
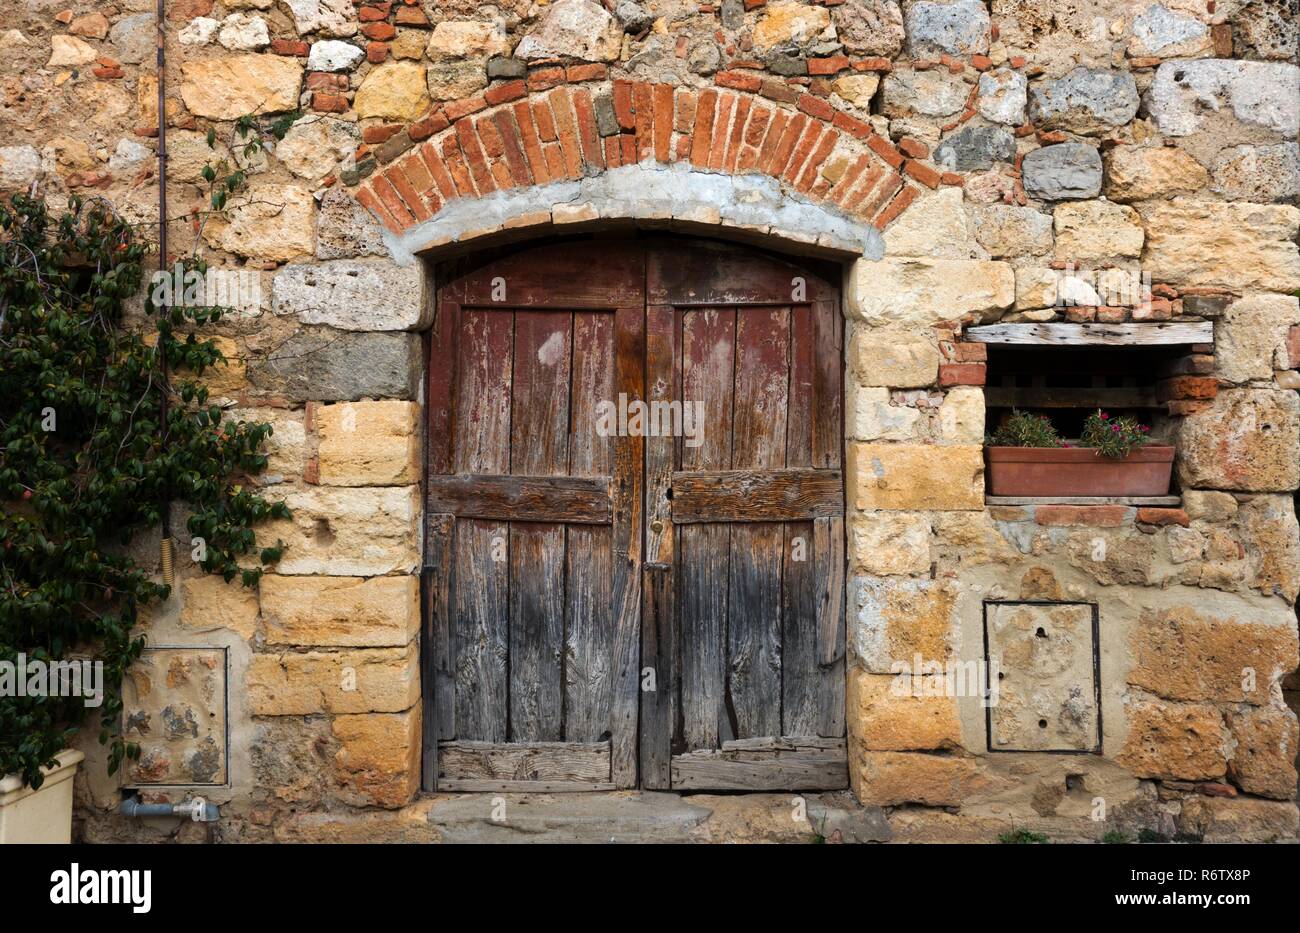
x,y
39,816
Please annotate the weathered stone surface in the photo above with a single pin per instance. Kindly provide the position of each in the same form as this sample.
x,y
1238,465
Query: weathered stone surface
x,y
349,532
364,680
243,33
332,366
1219,819
199,31
270,221
227,88
340,611
960,28
1091,230
857,90
901,713
333,55
896,623
455,40
925,291
285,449
209,603
1009,230
19,167
1114,556
1268,27
885,543
345,229
961,416
406,825
369,443
378,761
934,93
1251,340
1259,95
1061,172
1209,506
353,294
1258,173
873,417
975,148
91,25
455,78
916,476
1263,761
972,538
935,225
1271,537
335,18
1088,101
1178,741
313,147
1003,95
1238,246
174,706
1167,33
889,358
892,778
395,90
1249,441
578,28
1185,655
869,27
1135,173
69,51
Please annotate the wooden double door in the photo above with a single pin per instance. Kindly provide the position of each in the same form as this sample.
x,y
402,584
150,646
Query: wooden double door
x,y
634,562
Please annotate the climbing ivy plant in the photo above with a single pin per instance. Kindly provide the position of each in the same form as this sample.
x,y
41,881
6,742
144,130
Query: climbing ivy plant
x,y
93,440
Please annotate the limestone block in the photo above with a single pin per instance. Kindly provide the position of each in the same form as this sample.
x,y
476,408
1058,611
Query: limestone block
x,y
209,603
328,365
369,443
395,90
1008,230
270,221
961,416
580,29
1263,760
1062,171
1003,95
897,622
916,476
1088,101
1249,441
340,611
1244,247
1135,173
1258,173
353,294
1093,230
901,713
869,27
1250,340
888,358
961,28
365,680
891,778
378,761
338,531
935,225
885,543
1257,95
872,417
1174,741
926,291
228,87
1240,819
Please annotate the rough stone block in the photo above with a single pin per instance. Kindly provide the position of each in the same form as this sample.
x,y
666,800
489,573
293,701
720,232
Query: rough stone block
x,y
1174,741
378,761
1249,441
210,603
1251,343
886,543
350,294
1263,761
926,291
1217,819
902,713
892,778
897,359
899,622
1136,173
872,417
1096,230
349,532
916,476
369,444
1244,247
1088,101
1062,172
331,366
340,611
366,680
1189,96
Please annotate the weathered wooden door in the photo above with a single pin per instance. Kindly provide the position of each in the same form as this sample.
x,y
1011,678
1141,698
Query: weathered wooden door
x,y
745,542
537,638
534,525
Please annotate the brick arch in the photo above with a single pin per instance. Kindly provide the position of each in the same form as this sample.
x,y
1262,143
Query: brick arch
x,y
516,140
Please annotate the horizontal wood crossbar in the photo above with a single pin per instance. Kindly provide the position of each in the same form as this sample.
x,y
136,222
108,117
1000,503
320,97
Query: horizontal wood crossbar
x,y
791,763
757,495
1113,335
500,764
570,499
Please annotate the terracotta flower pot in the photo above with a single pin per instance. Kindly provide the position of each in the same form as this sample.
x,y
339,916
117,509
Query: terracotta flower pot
x,y
1078,471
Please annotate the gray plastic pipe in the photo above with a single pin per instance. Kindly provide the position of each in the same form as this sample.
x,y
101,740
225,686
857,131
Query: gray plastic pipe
x,y
196,808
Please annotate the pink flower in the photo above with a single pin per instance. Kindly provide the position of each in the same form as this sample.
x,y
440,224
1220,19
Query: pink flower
x,y
1145,429
1104,416
1114,427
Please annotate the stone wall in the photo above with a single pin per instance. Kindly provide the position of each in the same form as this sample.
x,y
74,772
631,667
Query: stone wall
x,y
964,159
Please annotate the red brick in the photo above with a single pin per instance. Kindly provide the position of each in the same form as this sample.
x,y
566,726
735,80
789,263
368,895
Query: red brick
x,y
438,171
1180,408
1152,516
913,148
532,145
589,72
901,202
370,201
1293,346
663,121
374,135
816,107
643,100
591,148
971,352
1109,315
803,149
962,374
828,66
881,147
374,12
981,62
504,93
543,78
876,189
410,16
376,52
684,112
794,131
325,102
472,150
426,126
396,206
702,135
406,188
380,32
623,105
922,173
455,162
1221,36
456,109
325,81
776,90
1100,516
1198,388
952,178
566,125
873,64
1081,314
740,80
296,47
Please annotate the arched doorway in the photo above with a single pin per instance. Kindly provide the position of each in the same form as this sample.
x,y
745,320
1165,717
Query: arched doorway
x,y
635,512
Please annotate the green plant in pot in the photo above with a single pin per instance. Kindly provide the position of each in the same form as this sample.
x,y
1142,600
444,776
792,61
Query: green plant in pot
x,y
1027,457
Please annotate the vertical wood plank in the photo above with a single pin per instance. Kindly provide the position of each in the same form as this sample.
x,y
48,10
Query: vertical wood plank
x,y
708,366
762,383
828,375
440,402
828,545
589,614
659,642
628,501
539,446
481,425
480,630
437,682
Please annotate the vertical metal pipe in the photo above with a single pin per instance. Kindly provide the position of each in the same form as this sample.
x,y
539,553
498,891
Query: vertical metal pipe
x,y
161,65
